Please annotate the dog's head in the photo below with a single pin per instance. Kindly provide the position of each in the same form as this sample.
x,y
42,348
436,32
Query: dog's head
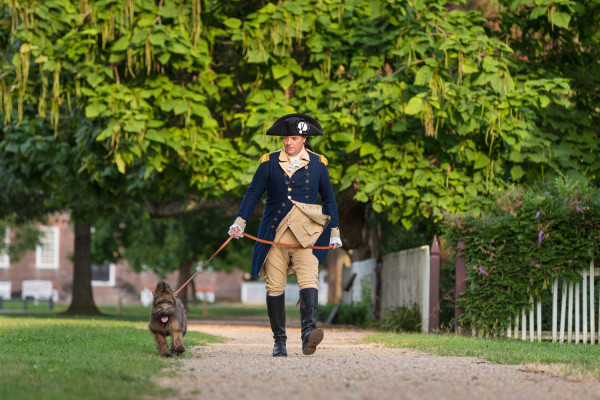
x,y
164,301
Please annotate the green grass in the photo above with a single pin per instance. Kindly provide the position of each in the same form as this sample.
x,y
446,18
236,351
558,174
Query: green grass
x,y
567,358
137,312
46,356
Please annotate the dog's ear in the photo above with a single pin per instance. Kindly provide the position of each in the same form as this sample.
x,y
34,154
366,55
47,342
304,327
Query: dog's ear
x,y
160,287
168,288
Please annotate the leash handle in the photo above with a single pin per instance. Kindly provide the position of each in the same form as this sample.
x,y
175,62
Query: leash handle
x,y
297,246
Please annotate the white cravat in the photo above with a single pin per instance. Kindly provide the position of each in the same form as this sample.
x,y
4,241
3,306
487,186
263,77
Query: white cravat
x,y
294,162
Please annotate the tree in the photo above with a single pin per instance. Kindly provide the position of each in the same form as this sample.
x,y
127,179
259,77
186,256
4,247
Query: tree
x,y
424,108
180,243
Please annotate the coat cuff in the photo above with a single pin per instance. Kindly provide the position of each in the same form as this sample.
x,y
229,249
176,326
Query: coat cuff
x,y
239,221
335,232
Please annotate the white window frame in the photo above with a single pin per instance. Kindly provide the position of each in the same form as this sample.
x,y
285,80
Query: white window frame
x,y
4,257
111,278
54,230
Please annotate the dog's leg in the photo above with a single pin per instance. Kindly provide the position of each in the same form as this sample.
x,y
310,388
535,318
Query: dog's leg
x,y
161,345
177,343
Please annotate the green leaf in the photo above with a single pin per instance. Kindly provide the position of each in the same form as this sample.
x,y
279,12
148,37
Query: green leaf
x,y
423,76
481,161
93,110
561,19
120,163
121,44
279,71
516,172
170,10
414,106
232,23
368,148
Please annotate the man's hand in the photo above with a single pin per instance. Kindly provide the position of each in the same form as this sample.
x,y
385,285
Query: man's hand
x,y
236,232
335,246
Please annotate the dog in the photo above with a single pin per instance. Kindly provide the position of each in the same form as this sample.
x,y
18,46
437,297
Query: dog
x,y
167,318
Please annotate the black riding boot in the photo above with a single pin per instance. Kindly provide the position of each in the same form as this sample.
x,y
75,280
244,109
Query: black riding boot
x,y
276,310
311,335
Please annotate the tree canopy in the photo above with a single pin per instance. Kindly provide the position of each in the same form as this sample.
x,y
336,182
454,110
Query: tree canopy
x,y
426,106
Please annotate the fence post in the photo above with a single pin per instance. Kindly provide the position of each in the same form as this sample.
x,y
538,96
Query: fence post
x,y
460,285
434,286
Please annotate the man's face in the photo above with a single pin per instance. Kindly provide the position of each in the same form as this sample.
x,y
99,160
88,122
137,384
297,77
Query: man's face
x,y
293,145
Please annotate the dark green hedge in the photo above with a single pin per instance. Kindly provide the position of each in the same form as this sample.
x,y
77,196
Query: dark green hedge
x,y
515,251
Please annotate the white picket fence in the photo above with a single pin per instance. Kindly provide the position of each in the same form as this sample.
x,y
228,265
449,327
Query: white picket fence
x,y
572,294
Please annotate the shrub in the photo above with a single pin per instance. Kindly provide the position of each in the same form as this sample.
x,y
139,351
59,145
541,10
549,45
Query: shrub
x,y
516,251
402,319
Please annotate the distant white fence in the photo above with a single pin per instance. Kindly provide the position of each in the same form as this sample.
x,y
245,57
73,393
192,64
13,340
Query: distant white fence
x,y
365,277
405,282
572,295
255,292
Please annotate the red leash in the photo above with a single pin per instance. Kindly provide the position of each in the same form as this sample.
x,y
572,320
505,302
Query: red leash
x,y
253,238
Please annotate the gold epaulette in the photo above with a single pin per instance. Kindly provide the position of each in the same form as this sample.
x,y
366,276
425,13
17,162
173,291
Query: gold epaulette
x,y
264,158
322,158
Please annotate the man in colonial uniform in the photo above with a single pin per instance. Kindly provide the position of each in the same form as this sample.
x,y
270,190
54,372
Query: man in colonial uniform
x,y
294,178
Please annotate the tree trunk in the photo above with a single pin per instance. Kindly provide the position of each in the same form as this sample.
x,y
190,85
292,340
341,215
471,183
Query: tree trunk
x,y
185,269
82,302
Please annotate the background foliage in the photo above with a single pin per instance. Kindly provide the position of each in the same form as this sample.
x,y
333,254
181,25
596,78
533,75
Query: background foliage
x,y
516,251
428,106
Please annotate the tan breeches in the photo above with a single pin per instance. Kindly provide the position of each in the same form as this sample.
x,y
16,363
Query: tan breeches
x,y
302,261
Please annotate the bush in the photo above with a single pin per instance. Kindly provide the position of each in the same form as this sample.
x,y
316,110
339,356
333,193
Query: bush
x,y
521,246
402,319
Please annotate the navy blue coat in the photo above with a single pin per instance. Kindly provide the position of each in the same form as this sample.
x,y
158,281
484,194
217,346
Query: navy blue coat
x,y
307,184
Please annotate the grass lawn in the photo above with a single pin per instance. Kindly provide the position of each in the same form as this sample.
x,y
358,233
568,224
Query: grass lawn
x,y
46,356
568,358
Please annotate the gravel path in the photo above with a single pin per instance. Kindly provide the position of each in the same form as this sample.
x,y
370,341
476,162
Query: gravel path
x,y
342,368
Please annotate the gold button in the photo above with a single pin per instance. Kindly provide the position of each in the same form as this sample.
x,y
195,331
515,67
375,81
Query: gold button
x,y
307,181
274,219
287,182
272,226
307,174
306,197
278,211
289,189
306,167
307,189
282,204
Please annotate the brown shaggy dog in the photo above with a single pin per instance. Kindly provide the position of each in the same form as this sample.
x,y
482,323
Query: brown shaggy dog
x,y
167,318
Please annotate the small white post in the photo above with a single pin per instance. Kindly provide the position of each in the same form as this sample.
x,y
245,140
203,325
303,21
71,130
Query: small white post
x,y
563,310
577,313
585,303
592,311
531,320
570,315
554,308
509,329
523,325
517,326
539,320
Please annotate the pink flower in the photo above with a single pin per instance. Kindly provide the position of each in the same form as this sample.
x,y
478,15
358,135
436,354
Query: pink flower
x,y
540,237
537,215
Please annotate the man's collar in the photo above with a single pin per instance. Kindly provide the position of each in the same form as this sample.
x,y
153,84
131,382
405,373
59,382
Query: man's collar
x,y
283,156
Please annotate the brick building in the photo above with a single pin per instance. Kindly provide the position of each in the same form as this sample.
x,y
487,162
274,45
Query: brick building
x,y
52,261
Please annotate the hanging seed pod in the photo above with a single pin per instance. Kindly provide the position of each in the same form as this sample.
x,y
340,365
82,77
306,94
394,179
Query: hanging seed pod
x,y
42,98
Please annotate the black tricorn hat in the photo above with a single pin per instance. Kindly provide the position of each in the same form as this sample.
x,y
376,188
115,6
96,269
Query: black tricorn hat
x,y
295,125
